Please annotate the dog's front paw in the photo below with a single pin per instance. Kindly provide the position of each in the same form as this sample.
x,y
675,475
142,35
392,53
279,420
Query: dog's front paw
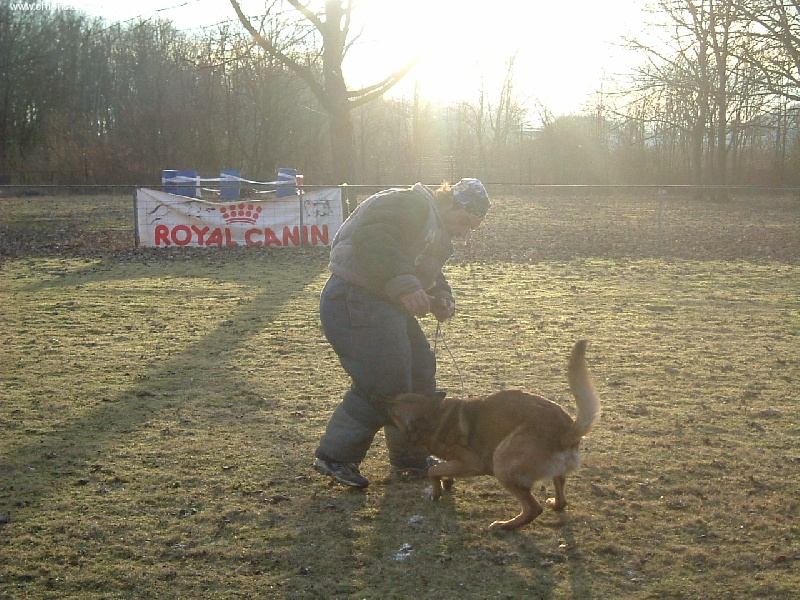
x,y
555,504
436,488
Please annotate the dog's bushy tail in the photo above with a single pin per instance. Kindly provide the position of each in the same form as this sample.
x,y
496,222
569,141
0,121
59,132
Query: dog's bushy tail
x,y
582,387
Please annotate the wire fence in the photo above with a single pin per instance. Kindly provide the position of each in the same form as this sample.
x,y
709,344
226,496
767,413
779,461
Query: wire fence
x,y
526,223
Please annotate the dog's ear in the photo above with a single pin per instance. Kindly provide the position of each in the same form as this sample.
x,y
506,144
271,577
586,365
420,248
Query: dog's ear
x,y
397,409
435,400
388,405
410,425
406,419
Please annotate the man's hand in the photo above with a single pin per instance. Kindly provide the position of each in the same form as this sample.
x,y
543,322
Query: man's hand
x,y
443,308
417,303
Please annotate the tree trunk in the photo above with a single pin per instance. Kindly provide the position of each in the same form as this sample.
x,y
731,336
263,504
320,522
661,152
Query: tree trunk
x,y
337,102
343,150
720,34
332,92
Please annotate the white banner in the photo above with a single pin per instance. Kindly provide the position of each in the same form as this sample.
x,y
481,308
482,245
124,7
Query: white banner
x,y
166,220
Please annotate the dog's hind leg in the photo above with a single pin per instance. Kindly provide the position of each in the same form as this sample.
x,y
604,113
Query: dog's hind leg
x,y
519,462
558,503
441,475
531,508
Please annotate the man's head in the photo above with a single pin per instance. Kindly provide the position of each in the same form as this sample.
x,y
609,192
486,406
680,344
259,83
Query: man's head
x,y
470,194
469,206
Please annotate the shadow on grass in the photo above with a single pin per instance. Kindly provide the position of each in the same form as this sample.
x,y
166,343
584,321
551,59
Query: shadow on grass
x,y
307,540
392,541
278,277
61,455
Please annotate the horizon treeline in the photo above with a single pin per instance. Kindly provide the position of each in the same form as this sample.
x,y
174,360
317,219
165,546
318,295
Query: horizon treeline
x,y
85,101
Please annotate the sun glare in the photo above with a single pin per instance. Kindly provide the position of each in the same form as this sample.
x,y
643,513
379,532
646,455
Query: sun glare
x,y
561,55
563,52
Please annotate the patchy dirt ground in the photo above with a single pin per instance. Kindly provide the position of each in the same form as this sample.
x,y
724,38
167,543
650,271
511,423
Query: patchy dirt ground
x,y
537,225
160,409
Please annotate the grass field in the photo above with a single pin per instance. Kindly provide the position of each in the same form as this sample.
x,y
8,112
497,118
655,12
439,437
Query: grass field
x,y
160,409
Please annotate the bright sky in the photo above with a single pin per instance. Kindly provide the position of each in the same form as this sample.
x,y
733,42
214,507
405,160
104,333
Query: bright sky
x,y
566,50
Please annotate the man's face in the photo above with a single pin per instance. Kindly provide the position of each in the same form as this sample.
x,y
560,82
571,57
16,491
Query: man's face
x,y
459,222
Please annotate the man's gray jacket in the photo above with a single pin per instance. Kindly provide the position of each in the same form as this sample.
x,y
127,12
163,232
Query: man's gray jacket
x,y
394,243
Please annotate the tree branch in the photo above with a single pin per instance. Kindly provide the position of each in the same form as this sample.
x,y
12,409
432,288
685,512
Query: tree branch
x,y
309,14
369,93
301,71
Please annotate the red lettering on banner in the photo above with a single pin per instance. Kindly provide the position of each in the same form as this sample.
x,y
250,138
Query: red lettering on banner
x,y
215,238
162,235
201,233
248,237
293,235
185,237
318,236
270,239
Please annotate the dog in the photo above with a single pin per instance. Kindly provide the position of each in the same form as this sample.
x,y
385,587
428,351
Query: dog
x,y
518,437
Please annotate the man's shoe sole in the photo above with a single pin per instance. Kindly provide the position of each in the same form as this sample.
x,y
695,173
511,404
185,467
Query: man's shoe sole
x,y
323,468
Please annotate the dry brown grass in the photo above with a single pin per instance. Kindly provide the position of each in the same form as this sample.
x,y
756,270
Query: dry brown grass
x,y
160,410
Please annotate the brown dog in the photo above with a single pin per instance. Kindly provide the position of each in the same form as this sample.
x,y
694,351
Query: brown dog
x,y
518,437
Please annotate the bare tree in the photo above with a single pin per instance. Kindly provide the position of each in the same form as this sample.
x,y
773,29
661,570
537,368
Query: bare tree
x,y
700,74
329,31
495,122
721,36
674,85
776,37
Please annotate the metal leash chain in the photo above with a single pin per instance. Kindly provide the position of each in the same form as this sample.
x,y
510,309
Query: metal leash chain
x,y
440,334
